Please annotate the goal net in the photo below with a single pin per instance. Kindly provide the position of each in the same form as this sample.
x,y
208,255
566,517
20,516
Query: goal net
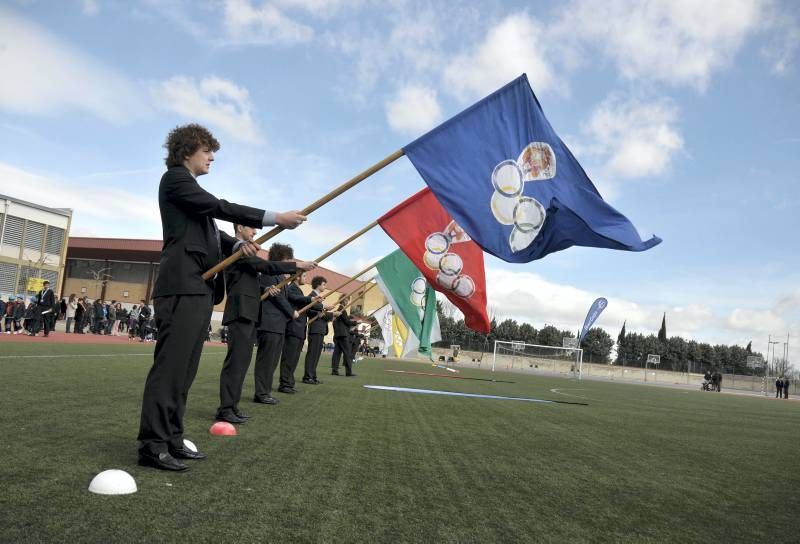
x,y
519,356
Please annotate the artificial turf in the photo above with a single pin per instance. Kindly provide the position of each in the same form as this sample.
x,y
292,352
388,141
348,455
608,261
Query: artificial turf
x,y
340,463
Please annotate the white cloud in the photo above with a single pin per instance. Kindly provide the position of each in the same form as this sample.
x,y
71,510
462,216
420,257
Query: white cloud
x,y
213,100
42,74
353,266
781,49
414,109
762,321
680,42
529,297
635,138
264,25
98,209
513,46
90,7
319,8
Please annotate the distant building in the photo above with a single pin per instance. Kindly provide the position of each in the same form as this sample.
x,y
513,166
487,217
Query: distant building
x,y
33,246
126,269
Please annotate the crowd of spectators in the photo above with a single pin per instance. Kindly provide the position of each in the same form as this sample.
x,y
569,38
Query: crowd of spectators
x,y
81,316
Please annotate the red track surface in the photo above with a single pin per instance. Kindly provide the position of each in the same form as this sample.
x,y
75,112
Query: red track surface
x,y
64,338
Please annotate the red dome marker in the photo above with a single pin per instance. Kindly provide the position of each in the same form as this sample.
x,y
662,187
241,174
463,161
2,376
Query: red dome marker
x,y
222,428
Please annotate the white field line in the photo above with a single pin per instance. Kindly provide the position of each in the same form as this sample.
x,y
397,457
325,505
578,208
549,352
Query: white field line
x,y
557,392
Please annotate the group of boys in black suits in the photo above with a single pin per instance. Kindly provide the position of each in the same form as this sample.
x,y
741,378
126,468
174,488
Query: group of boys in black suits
x,y
183,302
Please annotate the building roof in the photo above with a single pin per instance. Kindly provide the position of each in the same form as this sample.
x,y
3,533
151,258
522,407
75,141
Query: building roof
x,y
114,249
115,244
66,212
149,251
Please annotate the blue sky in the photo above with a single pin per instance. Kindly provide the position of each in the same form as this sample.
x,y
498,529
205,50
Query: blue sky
x,y
685,115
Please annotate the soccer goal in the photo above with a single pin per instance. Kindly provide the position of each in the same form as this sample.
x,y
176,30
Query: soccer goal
x,y
534,358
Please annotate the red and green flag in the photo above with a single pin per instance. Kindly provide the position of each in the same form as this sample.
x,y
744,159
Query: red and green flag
x,y
448,258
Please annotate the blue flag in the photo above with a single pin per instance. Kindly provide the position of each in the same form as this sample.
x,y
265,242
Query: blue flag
x,y
595,310
509,181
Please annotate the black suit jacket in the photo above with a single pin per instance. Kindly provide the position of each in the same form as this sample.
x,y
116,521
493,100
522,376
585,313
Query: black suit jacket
x,y
46,300
297,327
192,243
275,310
342,324
244,292
318,326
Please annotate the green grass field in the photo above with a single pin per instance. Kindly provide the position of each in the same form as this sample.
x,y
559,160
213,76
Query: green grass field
x,y
340,463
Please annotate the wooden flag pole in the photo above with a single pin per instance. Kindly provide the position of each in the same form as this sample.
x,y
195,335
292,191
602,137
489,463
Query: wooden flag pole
x,y
307,210
332,291
324,256
371,285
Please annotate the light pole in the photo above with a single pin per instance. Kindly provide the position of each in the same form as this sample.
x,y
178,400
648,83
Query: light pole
x,y
772,343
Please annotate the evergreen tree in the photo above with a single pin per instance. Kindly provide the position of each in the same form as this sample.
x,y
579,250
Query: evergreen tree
x,y
662,333
749,348
621,344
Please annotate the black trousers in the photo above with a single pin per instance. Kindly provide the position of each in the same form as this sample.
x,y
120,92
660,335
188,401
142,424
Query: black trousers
x,y
237,362
143,328
48,320
313,352
292,346
270,345
341,348
182,322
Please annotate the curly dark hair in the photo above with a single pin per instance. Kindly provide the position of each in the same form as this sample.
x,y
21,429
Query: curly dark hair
x,y
184,140
280,252
316,281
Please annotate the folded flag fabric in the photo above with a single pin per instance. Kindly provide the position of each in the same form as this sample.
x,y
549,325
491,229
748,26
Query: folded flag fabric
x,y
412,300
504,175
448,258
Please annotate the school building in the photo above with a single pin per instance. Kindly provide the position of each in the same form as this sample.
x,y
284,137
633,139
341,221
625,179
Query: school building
x,y
33,246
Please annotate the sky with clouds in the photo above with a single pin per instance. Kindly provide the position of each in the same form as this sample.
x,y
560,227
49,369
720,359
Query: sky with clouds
x,y
685,115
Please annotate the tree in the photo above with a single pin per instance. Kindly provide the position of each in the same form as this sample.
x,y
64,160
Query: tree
x,y
550,336
749,347
508,330
527,333
620,341
597,345
662,332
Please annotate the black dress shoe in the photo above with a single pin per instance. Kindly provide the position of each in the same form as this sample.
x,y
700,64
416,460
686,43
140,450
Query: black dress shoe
x,y
240,414
184,453
287,390
317,382
335,373
230,418
162,461
265,400
309,381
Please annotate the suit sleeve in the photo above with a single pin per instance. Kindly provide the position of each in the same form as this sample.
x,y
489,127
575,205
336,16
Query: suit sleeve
x,y
347,321
317,309
279,301
297,298
183,190
283,305
270,267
